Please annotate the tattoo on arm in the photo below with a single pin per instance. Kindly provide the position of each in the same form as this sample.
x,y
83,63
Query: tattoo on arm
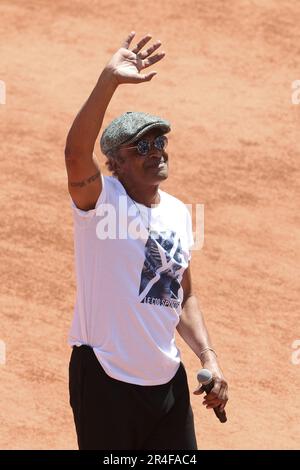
x,y
80,184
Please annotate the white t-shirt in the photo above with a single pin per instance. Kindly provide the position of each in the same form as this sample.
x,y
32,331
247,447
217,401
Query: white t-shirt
x,y
129,264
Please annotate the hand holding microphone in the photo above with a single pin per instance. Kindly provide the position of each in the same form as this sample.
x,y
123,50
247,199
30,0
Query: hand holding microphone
x,y
205,378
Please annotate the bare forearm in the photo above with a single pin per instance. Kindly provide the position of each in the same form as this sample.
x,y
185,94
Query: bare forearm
x,y
193,330
87,124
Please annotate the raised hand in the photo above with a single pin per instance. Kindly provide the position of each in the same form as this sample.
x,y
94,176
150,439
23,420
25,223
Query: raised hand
x,y
126,65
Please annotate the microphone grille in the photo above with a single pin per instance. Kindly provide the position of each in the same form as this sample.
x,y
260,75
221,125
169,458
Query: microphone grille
x,y
204,376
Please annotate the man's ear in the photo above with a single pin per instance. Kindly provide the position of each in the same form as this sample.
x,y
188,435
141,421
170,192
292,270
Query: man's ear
x,y
120,159
112,163
117,164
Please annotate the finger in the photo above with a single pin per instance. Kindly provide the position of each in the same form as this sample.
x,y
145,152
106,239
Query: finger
x,y
128,40
198,390
210,396
141,43
212,403
152,60
212,406
144,54
217,388
145,78
223,395
224,399
223,405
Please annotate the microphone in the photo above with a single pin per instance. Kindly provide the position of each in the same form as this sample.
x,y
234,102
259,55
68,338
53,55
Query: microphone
x,y
205,378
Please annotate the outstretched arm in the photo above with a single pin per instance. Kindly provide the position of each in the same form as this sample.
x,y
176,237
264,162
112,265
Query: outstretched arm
x,y
83,170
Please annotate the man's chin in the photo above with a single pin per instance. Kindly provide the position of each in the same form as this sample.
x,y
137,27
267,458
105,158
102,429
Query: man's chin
x,y
158,174
160,177
164,176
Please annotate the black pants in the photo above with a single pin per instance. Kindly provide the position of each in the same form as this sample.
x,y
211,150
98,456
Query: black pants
x,y
113,415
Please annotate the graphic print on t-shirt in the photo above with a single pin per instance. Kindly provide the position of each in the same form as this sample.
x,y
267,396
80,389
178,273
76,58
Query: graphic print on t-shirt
x,y
161,271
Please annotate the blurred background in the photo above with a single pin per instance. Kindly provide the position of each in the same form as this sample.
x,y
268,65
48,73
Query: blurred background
x,y
226,86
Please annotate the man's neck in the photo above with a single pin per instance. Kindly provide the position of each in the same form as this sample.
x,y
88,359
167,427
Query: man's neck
x,y
146,195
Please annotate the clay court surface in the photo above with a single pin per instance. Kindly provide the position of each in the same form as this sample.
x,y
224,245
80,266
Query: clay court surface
x,y
225,85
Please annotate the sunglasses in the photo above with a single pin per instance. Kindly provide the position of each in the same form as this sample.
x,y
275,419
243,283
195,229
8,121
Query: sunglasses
x,y
144,146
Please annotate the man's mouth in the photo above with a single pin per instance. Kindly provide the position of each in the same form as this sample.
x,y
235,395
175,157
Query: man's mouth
x,y
157,164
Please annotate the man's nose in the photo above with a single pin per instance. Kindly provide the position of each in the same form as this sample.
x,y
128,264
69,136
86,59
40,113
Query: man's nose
x,y
155,152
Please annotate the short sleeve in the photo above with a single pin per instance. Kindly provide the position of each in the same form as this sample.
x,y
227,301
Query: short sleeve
x,y
109,194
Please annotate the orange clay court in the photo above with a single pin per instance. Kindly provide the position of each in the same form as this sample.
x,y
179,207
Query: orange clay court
x,y
225,86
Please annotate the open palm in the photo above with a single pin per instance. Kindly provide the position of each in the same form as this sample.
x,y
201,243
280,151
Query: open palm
x,y
127,64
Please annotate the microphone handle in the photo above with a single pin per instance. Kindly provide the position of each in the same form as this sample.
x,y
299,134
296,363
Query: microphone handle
x,y
221,415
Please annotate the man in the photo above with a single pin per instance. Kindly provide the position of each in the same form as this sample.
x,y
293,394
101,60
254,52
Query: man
x,y
128,386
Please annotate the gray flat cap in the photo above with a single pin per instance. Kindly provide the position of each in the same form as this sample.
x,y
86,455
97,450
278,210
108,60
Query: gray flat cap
x,y
129,127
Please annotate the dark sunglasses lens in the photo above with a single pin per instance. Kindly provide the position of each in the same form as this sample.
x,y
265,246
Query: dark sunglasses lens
x,y
143,147
161,142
